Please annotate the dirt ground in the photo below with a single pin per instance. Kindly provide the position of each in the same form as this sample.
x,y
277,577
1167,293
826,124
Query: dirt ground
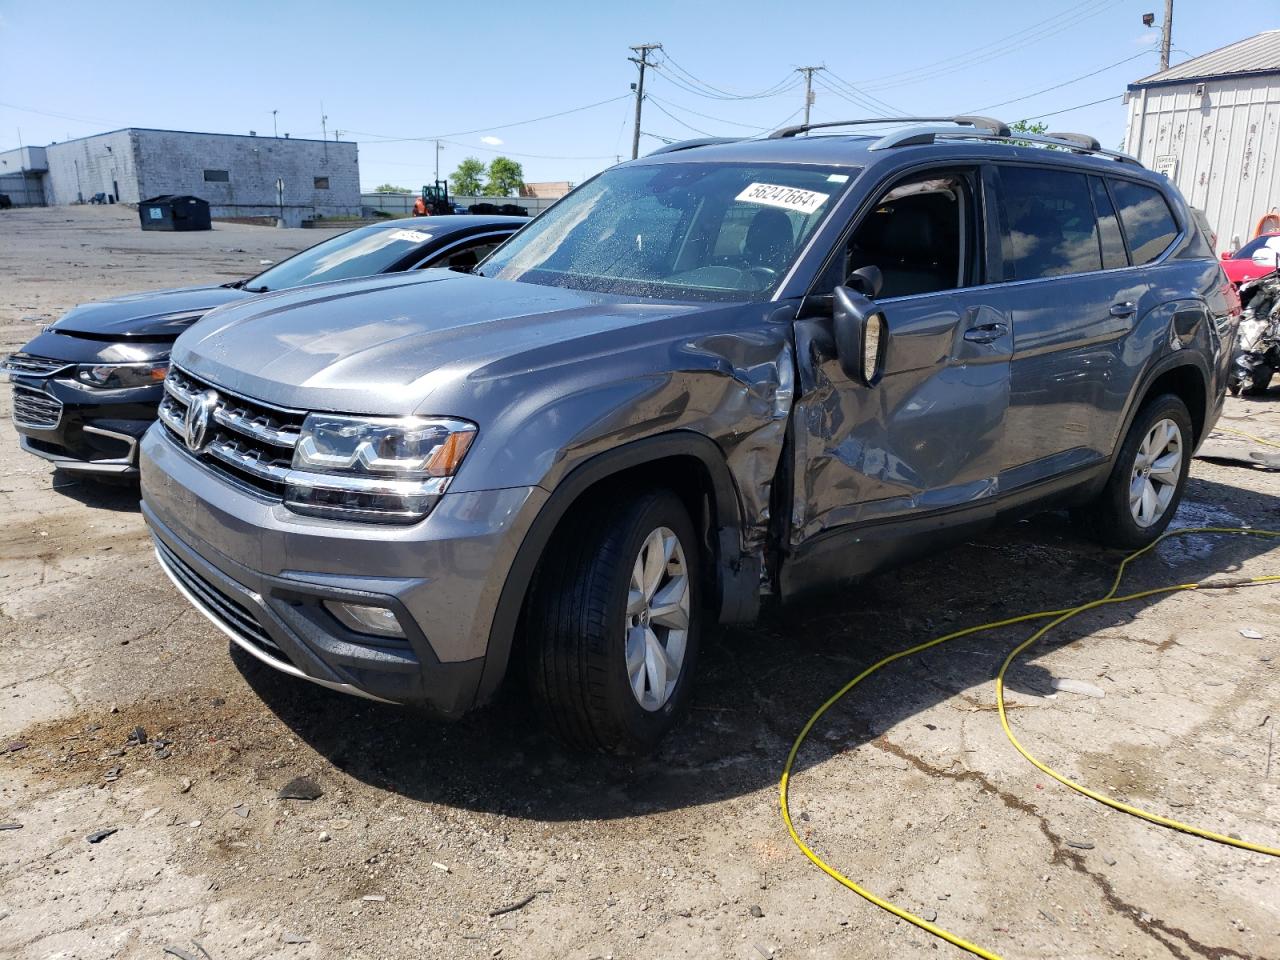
x,y
425,832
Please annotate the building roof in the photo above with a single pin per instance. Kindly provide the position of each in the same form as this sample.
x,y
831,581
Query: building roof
x,y
201,133
1254,55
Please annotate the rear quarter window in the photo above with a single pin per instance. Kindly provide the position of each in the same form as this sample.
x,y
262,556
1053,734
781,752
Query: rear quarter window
x,y
1149,225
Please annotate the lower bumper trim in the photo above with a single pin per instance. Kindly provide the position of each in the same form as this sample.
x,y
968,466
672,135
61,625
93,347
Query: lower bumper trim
x,y
124,467
246,645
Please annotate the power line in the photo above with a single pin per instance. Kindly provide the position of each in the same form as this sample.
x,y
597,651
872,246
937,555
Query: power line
x,y
681,84
718,93
862,104
382,138
678,120
706,116
58,116
981,56
1064,83
884,106
1079,106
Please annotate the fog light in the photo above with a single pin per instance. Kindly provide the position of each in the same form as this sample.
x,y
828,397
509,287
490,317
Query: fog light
x,y
364,619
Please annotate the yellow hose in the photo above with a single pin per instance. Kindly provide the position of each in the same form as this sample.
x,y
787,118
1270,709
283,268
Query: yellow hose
x,y
1247,436
1059,616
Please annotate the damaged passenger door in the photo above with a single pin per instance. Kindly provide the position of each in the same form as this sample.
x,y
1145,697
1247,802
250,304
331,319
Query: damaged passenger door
x,y
909,440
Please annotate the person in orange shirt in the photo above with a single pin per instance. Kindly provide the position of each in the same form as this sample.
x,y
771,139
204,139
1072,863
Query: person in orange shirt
x,y
420,208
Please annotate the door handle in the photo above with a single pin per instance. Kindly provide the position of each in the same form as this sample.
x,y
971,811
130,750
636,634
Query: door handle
x,y
1126,309
986,333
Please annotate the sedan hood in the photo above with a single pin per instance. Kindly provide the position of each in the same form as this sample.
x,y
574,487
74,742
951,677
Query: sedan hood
x,y
385,345
154,315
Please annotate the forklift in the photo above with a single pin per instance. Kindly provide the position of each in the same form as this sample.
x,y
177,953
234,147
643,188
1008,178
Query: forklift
x,y
435,199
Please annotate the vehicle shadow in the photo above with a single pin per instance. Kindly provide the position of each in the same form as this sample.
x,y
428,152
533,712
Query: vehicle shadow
x,y
757,686
101,493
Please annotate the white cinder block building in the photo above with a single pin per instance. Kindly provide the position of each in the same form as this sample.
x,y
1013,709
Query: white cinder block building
x,y
1212,125
236,174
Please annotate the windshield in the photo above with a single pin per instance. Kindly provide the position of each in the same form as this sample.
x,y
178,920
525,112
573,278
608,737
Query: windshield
x,y
358,253
718,231
1253,246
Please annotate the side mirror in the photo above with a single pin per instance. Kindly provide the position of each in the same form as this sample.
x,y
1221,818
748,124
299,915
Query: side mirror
x,y
861,335
867,281
1226,254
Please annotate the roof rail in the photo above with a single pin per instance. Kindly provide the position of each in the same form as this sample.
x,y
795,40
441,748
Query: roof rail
x,y
1079,144
991,126
691,144
1086,142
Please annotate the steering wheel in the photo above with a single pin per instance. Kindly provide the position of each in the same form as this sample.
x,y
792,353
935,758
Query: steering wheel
x,y
765,276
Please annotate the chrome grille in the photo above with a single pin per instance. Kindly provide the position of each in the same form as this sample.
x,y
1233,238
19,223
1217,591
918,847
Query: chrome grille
x,y
26,364
31,408
248,441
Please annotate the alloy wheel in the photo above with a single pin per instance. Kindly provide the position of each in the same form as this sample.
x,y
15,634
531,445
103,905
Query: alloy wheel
x,y
1156,471
657,624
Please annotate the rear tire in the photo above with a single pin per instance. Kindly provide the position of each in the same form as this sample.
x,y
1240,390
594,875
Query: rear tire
x,y
613,621
1148,478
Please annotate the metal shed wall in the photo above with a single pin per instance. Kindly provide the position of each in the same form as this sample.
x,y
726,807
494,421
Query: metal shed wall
x,y
1224,145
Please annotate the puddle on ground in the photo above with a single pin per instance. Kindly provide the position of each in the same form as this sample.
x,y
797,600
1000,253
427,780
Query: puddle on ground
x,y
1192,513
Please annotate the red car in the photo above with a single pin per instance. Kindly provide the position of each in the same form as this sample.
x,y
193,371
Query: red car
x,y
1242,265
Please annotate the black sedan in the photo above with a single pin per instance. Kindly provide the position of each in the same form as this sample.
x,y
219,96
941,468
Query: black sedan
x,y
88,386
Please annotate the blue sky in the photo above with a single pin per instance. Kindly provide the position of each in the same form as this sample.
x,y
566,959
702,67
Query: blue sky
x,y
391,75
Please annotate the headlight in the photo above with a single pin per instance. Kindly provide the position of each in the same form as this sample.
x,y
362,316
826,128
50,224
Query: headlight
x,y
374,468
117,376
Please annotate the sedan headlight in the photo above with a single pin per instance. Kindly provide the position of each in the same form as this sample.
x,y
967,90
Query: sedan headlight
x,y
385,469
118,376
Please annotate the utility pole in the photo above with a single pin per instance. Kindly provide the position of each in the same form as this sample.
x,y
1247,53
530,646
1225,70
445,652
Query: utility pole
x,y
438,149
324,131
1166,34
642,61
808,88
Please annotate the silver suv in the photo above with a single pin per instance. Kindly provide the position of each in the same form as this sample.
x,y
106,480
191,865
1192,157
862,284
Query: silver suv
x,y
722,373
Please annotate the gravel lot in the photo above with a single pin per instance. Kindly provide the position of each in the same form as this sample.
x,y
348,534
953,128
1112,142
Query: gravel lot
x,y
424,831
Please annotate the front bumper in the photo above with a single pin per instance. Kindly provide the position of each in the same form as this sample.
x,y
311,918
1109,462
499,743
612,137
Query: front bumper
x,y
262,574
80,429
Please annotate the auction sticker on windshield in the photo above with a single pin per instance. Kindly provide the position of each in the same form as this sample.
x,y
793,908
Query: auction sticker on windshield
x,y
788,198
413,236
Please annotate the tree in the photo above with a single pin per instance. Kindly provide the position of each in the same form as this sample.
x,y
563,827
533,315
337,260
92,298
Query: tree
x,y
391,188
506,177
466,179
1026,126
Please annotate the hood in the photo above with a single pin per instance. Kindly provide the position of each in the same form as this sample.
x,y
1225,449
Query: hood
x,y
149,315
384,345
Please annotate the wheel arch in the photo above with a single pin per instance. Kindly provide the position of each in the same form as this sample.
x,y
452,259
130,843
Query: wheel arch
x,y
696,468
1183,374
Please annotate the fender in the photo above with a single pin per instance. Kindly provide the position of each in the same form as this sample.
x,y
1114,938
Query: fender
x,y
1170,361
737,576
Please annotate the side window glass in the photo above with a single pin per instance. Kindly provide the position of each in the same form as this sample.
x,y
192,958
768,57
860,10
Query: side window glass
x,y
916,234
1109,236
1148,222
465,257
1050,228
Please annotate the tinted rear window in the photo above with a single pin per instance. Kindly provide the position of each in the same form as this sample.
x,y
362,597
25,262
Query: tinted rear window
x,y
1109,235
1049,227
1148,222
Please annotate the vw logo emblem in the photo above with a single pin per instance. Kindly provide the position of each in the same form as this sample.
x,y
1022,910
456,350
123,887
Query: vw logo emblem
x,y
196,422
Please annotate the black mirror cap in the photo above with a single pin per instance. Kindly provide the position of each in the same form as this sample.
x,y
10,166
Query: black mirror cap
x,y
861,335
868,281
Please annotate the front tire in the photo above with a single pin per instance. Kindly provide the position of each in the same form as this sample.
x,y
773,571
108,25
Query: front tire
x,y
1148,478
613,622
